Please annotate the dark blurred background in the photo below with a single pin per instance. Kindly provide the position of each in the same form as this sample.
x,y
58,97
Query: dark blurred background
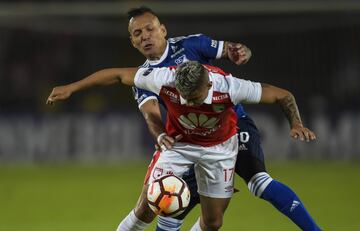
x,y
310,47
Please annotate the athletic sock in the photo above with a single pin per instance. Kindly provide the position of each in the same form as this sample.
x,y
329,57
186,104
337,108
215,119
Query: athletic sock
x,y
168,224
132,223
282,198
196,226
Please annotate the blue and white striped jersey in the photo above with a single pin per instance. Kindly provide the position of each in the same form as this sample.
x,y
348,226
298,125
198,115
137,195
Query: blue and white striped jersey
x,y
196,47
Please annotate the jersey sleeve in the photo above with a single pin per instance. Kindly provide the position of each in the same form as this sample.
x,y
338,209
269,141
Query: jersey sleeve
x,y
152,79
142,96
244,91
208,47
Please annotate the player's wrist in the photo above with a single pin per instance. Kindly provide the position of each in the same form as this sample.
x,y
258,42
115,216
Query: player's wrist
x,y
296,125
160,137
74,87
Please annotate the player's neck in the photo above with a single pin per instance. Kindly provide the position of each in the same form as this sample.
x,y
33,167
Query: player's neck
x,y
158,55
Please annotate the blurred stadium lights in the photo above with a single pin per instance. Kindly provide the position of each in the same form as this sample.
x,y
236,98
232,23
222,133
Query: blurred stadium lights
x,y
107,18
175,8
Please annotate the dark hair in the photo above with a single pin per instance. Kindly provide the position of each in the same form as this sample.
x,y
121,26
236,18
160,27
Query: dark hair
x,y
139,11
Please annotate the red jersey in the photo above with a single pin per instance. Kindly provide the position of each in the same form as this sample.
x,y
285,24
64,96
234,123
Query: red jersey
x,y
209,124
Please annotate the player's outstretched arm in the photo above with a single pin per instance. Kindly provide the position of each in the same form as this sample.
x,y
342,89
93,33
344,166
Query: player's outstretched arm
x,y
272,94
100,78
238,53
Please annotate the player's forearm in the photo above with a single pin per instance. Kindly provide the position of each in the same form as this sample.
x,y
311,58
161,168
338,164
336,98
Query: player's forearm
x,y
154,124
103,77
287,102
100,78
152,116
291,110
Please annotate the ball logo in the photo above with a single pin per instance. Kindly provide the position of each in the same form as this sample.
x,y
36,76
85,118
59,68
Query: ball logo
x,y
193,121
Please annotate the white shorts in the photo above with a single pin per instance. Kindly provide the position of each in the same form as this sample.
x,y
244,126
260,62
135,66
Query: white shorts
x,y
214,166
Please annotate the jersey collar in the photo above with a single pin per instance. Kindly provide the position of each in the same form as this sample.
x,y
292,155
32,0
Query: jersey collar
x,y
162,58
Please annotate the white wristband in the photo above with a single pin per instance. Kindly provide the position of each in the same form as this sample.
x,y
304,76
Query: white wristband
x,y
160,137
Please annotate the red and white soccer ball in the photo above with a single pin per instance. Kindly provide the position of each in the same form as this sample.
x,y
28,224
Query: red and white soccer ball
x,y
168,196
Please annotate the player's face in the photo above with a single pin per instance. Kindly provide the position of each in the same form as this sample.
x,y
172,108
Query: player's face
x,y
198,97
148,35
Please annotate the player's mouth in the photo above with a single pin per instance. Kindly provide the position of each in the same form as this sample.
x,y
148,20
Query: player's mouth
x,y
148,46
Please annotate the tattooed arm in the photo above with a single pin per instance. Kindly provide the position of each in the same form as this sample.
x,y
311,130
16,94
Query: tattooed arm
x,y
272,94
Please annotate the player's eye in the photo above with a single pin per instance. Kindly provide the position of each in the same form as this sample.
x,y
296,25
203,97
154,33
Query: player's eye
x,y
136,33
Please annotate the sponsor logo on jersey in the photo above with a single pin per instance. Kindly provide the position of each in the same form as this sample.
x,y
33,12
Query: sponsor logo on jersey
x,y
229,188
214,43
173,48
148,71
172,96
242,147
192,121
218,107
177,53
141,98
181,59
220,97
135,92
294,205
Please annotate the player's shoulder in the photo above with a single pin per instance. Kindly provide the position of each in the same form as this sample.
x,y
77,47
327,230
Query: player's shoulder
x,y
222,81
185,39
217,70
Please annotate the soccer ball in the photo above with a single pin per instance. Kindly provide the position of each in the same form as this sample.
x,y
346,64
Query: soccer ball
x,y
168,196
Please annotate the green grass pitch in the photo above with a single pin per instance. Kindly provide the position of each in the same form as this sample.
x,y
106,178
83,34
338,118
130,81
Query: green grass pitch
x,y
86,198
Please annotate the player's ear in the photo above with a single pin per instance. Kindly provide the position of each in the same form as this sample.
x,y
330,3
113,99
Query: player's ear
x,y
209,85
132,42
163,30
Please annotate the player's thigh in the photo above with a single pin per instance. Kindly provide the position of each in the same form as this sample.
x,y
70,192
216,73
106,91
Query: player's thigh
x,y
215,170
172,161
154,159
250,158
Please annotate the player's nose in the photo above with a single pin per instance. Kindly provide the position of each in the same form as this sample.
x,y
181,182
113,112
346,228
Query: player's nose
x,y
145,35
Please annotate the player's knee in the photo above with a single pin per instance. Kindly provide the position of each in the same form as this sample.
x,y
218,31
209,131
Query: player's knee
x,y
142,209
144,213
213,223
258,183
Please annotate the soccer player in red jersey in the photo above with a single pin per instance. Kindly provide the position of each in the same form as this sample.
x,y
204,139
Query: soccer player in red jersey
x,y
200,102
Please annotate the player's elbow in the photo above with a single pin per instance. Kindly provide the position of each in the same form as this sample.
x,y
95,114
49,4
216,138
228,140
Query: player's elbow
x,y
283,93
272,94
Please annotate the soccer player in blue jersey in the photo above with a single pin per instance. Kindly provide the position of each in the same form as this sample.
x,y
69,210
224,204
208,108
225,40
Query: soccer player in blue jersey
x,y
148,36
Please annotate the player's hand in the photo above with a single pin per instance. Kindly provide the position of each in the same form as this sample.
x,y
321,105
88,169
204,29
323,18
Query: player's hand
x,y
166,142
238,53
59,93
302,133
